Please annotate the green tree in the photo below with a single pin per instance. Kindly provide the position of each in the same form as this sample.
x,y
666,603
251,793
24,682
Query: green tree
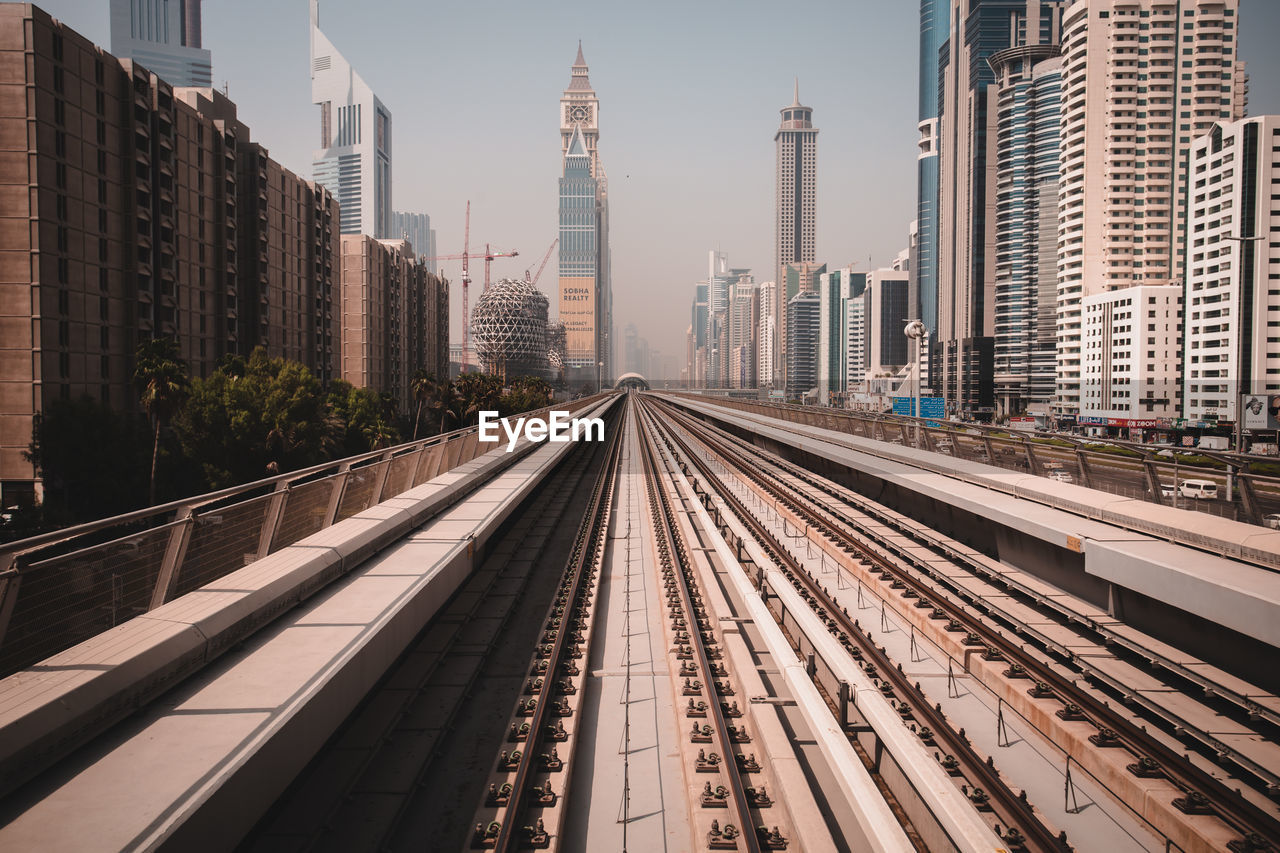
x,y
236,425
92,460
361,414
442,405
527,393
476,393
160,375
422,385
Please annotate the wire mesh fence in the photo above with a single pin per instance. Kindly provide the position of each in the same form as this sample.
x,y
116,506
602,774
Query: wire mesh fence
x,y
68,599
59,589
305,507
222,541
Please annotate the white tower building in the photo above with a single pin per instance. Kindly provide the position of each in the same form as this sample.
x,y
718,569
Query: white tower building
x,y
354,158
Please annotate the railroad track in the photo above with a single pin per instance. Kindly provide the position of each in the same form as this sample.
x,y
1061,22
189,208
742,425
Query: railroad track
x,y
1023,828
522,792
1202,794
429,691
708,687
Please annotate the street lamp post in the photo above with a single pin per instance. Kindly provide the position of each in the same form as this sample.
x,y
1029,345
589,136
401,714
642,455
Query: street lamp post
x,y
916,331
599,368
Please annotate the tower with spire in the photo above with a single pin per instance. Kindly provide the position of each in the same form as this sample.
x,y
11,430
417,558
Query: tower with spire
x,y
797,205
585,299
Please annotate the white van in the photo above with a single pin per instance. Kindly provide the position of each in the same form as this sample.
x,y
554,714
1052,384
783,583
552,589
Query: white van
x,y
1198,489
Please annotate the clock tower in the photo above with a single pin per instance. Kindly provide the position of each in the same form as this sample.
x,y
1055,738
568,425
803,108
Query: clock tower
x,y
580,110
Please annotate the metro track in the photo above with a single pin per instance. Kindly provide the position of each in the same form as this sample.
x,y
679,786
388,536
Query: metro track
x,y
809,498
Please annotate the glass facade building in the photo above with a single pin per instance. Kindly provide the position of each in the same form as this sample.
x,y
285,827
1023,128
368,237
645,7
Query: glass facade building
x,y
1029,99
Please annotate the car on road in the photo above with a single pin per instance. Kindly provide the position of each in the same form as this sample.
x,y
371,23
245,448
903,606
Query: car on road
x,y
1061,476
1272,520
1198,489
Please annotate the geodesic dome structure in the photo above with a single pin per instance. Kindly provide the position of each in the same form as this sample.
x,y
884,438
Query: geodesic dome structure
x,y
557,346
509,328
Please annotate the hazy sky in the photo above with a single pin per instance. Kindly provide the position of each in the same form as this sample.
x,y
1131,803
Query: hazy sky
x,y
689,93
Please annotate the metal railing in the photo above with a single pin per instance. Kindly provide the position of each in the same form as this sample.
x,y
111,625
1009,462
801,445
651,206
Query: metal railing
x,y
1256,497
63,587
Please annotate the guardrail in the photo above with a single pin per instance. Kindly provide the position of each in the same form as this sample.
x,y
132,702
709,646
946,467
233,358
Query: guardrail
x,y
1255,495
63,587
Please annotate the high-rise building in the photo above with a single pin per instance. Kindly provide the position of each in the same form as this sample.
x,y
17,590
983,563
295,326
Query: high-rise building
x,y
934,17
1131,355
1141,80
744,319
586,295
354,157
766,334
393,313
888,310
163,35
416,228
795,228
156,216
802,344
1232,303
962,356
836,289
1028,101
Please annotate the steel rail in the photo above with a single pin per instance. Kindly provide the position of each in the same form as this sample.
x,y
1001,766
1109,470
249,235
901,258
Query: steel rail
x,y
1241,814
585,558
1014,811
675,557
1065,617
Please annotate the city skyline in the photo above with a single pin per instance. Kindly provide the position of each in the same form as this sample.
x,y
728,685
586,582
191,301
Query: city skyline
x,y
499,149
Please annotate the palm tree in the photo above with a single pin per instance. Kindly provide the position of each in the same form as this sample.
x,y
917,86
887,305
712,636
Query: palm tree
x,y
443,403
160,375
422,385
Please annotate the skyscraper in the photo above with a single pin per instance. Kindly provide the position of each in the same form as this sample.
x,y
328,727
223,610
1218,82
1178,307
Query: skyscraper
x,y
586,296
354,158
962,358
1141,80
164,36
1028,111
1231,308
802,343
924,271
766,334
416,228
797,206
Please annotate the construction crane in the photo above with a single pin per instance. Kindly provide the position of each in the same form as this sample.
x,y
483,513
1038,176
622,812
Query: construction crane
x,y
543,265
465,257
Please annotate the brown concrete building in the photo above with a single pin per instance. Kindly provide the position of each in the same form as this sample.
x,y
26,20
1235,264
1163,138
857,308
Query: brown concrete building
x,y
129,210
395,316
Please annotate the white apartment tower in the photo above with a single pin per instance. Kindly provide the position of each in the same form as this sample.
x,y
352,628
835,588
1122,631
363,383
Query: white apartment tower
x,y
1232,301
766,334
1141,80
354,158
1133,336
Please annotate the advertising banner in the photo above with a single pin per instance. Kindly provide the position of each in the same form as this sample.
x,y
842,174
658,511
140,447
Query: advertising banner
x,y
578,313
1261,411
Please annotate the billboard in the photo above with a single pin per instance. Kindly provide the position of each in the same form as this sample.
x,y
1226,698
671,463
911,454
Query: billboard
x,y
930,407
578,313
1261,411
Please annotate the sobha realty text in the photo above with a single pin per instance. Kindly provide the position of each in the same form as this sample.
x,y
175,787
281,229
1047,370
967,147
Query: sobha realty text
x,y
558,428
